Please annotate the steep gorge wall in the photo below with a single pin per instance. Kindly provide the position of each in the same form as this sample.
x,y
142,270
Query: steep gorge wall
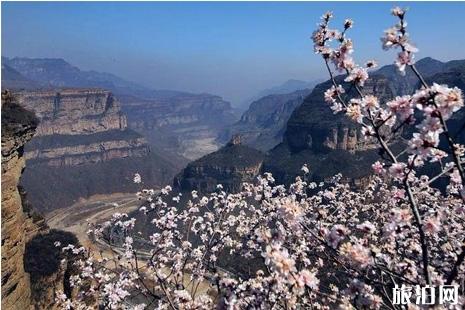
x,y
79,126
333,144
313,126
17,226
82,147
262,126
329,143
186,125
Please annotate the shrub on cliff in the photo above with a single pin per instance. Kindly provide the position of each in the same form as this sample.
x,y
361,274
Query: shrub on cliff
x,y
42,257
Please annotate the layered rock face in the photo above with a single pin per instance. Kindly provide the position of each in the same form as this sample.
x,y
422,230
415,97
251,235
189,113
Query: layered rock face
x,y
74,111
263,124
230,166
179,126
190,123
17,128
78,127
333,144
84,142
313,126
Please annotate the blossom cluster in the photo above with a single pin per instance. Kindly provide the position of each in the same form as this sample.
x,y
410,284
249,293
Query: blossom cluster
x,y
308,245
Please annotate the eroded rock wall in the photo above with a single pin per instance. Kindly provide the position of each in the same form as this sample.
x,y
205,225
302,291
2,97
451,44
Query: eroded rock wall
x,y
191,123
83,147
17,128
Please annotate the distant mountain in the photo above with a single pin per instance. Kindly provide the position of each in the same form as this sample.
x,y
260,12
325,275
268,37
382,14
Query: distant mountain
x,y
332,143
263,124
287,87
427,66
181,125
56,72
12,79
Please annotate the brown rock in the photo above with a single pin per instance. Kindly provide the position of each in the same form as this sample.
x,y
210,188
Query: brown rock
x,y
17,128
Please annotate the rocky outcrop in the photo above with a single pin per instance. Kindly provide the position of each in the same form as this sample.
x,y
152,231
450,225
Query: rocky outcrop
x,y
74,111
18,127
182,126
78,127
192,122
230,166
333,144
263,124
50,268
84,132
313,126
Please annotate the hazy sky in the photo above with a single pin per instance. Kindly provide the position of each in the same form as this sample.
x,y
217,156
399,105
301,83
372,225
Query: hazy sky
x,y
233,49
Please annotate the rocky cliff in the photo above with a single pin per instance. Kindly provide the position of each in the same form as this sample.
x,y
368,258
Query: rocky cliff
x,y
83,132
18,127
179,126
313,126
78,127
332,143
262,126
230,166
187,125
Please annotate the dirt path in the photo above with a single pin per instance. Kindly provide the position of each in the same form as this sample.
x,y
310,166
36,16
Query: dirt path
x,y
80,217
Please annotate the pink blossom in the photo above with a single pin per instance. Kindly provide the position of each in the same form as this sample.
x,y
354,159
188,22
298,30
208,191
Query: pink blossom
x,y
348,23
307,278
378,168
355,113
402,106
432,225
397,11
357,75
397,170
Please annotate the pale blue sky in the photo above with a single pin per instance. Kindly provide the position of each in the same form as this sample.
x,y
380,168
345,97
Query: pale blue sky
x,y
233,49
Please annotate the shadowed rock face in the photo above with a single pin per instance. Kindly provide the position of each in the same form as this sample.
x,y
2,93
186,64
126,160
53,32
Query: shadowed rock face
x,y
82,147
185,125
18,127
230,166
263,124
313,126
332,143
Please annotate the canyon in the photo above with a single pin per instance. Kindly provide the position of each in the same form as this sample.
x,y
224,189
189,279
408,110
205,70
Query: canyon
x,y
333,144
187,126
263,124
78,142
230,166
179,126
82,147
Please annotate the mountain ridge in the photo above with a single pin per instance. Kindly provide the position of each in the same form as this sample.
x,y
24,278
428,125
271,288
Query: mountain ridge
x,y
332,143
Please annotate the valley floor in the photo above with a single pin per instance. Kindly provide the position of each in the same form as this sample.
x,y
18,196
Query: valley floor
x,y
84,215
80,217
